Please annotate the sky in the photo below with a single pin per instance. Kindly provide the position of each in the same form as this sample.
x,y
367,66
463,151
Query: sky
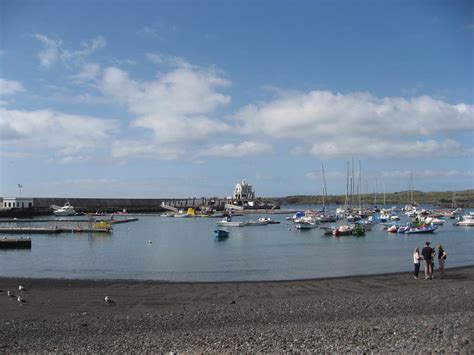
x,y
157,99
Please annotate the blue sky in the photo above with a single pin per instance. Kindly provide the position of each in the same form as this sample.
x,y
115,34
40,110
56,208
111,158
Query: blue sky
x,y
186,98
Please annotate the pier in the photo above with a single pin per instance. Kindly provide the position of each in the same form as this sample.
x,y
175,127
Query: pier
x,y
15,243
56,230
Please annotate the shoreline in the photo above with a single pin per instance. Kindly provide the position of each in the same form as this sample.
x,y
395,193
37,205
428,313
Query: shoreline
x,y
24,279
370,313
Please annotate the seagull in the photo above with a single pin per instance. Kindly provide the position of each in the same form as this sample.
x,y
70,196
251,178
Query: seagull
x,y
108,300
21,288
19,299
10,294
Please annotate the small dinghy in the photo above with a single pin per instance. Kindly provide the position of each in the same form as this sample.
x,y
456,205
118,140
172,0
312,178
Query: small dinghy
x,y
221,234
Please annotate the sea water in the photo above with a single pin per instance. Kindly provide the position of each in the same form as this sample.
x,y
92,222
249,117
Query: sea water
x,y
185,249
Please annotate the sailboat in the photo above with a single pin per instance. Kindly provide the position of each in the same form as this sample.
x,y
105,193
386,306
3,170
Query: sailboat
x,y
325,216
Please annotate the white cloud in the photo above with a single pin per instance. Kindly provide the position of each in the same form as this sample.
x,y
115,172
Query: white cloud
x,y
54,51
145,149
149,32
50,53
68,136
10,87
339,125
175,106
89,71
239,150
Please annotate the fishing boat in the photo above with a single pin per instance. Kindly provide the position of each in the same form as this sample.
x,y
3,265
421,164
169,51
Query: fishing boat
x,y
221,234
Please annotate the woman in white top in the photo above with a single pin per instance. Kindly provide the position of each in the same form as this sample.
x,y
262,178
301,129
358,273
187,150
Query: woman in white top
x,y
416,262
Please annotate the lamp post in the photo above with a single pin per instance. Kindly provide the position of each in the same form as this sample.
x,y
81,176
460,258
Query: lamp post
x,y
19,188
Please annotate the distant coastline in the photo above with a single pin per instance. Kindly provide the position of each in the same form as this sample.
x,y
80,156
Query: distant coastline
x,y
443,199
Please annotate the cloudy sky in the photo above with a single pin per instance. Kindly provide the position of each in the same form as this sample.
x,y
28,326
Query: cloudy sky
x,y
185,98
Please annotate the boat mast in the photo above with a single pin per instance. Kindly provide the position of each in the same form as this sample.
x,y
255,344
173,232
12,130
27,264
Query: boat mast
x,y
352,184
384,195
346,200
360,187
375,193
325,192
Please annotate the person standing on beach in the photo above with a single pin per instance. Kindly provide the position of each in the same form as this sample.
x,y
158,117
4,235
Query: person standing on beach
x,y
416,262
441,259
428,253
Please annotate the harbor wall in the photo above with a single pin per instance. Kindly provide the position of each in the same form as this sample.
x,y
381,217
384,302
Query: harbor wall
x,y
42,205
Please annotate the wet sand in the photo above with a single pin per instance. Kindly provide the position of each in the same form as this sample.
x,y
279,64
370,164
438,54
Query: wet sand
x,y
380,313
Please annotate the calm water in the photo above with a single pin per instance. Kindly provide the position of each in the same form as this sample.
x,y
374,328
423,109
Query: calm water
x,y
186,250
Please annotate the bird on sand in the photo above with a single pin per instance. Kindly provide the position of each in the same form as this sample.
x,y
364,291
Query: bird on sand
x,y
19,299
10,294
108,300
21,288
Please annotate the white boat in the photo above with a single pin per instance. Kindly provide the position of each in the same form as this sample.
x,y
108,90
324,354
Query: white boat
x,y
268,220
256,222
66,210
433,220
305,225
466,220
227,222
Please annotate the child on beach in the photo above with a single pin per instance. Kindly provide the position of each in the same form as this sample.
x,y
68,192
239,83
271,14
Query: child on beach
x,y
441,259
416,261
428,253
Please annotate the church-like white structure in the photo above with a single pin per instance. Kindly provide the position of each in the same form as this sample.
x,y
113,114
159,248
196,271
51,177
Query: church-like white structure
x,y
243,191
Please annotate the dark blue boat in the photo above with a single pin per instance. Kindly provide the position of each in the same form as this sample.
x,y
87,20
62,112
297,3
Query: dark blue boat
x,y
221,234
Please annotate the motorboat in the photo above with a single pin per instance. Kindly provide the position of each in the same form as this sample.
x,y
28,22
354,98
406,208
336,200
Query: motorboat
x,y
420,229
66,210
227,222
466,220
433,220
392,229
257,222
412,228
268,220
342,230
221,234
305,224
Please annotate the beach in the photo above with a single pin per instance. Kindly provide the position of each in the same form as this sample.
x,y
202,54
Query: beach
x,y
377,313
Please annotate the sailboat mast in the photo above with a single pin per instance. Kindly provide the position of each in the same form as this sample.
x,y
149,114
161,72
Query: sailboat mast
x,y
324,188
346,201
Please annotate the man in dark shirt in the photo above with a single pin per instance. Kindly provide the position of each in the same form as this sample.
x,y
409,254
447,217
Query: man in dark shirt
x,y
428,253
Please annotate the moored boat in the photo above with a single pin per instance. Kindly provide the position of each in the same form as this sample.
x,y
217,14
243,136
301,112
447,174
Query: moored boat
x,y
221,234
66,210
466,220
342,230
227,222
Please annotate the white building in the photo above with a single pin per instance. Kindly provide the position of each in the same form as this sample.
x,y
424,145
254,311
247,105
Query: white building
x,y
243,191
17,202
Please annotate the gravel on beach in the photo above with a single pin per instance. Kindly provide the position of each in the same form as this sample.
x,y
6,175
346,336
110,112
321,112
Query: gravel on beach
x,y
377,313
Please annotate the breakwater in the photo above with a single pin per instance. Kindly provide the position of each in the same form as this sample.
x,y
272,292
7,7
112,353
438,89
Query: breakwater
x,y
42,206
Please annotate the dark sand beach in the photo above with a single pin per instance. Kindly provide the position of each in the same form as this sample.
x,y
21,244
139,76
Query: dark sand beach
x,y
376,313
